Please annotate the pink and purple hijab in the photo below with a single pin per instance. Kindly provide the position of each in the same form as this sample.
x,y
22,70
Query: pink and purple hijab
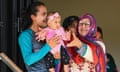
x,y
93,27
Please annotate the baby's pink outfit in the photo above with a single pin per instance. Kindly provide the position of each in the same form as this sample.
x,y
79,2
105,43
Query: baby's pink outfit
x,y
60,32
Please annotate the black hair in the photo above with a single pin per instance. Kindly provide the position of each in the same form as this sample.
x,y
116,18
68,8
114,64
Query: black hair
x,y
99,29
26,14
68,22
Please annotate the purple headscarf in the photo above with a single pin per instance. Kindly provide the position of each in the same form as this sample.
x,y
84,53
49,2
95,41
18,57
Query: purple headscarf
x,y
93,27
98,54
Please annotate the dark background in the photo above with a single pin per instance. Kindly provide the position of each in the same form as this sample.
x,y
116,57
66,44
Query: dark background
x,y
10,16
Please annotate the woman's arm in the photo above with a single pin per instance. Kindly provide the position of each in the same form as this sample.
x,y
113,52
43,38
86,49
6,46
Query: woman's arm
x,y
25,42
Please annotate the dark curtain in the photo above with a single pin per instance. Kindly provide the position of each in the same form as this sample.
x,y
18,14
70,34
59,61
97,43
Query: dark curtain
x,y
10,16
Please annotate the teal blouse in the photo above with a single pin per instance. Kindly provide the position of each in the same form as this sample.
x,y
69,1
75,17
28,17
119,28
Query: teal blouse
x,y
25,43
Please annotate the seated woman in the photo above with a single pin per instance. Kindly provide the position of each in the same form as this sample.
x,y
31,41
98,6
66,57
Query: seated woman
x,y
86,55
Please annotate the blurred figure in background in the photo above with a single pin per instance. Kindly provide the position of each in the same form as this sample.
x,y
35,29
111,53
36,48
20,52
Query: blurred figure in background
x,y
99,38
111,66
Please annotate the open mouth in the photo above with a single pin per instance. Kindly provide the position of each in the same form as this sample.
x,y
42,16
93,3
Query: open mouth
x,y
44,21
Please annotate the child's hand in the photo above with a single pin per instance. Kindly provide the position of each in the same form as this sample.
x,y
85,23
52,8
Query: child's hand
x,y
41,35
57,55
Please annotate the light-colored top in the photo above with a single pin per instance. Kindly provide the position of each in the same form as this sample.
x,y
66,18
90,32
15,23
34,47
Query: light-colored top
x,y
88,64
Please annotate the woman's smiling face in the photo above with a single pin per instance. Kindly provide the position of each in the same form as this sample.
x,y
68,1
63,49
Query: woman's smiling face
x,y
84,27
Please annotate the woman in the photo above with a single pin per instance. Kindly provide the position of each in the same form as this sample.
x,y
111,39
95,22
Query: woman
x,y
33,52
86,54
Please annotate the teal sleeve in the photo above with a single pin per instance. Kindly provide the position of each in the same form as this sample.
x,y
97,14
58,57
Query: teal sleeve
x,y
57,61
25,43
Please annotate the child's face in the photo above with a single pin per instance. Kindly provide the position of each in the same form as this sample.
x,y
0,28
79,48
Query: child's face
x,y
55,23
73,26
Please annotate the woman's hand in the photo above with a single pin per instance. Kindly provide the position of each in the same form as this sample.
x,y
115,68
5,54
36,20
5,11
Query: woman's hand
x,y
76,42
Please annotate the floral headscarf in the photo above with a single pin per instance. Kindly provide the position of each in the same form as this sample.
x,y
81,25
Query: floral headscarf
x,y
93,27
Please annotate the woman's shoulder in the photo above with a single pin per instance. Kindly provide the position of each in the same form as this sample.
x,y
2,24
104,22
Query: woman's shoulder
x,y
26,33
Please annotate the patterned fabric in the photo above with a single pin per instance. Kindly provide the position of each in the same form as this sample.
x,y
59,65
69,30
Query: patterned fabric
x,y
97,51
73,52
64,56
49,59
86,66
102,45
96,59
80,63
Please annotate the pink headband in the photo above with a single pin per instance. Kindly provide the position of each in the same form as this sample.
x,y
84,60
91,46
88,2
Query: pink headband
x,y
53,16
